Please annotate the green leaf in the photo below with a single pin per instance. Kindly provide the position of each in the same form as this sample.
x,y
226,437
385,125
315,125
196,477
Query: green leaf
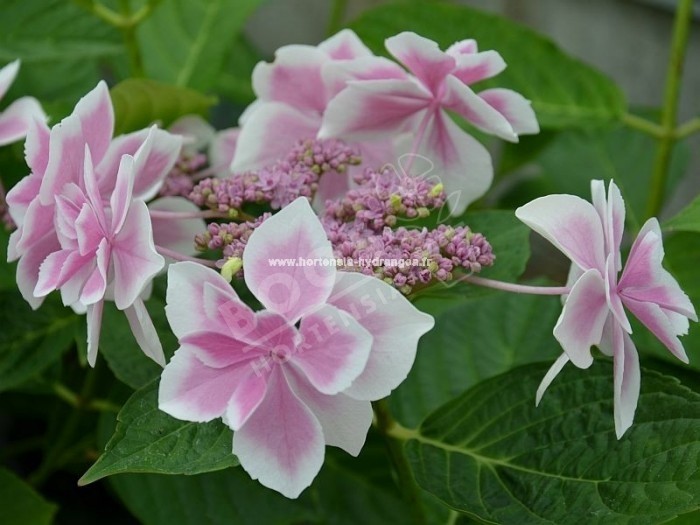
x,y
234,81
148,440
60,46
7,270
121,351
186,42
564,91
687,220
492,454
20,504
575,157
31,341
477,339
141,102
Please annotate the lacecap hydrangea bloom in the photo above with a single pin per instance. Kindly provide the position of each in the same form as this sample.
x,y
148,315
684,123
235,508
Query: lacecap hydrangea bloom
x,y
299,374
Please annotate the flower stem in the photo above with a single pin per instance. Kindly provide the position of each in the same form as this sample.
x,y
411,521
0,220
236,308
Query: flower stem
x,y
669,111
687,129
644,125
516,288
130,42
167,252
409,488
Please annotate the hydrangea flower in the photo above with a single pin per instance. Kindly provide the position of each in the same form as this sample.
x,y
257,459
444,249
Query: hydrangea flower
x,y
594,310
298,375
16,119
367,109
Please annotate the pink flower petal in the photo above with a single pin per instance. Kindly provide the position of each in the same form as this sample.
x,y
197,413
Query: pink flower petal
x,y
516,109
294,78
422,57
395,325
269,133
246,398
96,117
56,269
108,166
196,133
153,161
66,158
581,322
222,150
192,304
92,190
37,220
645,279
192,391
17,118
135,259
345,421
120,200
217,350
334,349
474,67
88,233
463,101
463,47
8,73
337,74
96,283
553,372
29,265
613,297
293,233
571,224
94,327
665,325
21,196
281,444
344,45
36,148
372,108
144,332
627,381
176,235
450,149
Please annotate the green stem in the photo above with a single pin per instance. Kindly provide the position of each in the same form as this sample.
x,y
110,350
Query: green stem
x,y
644,125
66,435
337,14
687,129
669,111
130,42
391,431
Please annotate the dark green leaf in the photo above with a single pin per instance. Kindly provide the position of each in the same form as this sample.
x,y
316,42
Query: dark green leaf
x,y
141,102
492,454
121,351
564,91
477,339
31,341
20,505
687,220
148,440
186,42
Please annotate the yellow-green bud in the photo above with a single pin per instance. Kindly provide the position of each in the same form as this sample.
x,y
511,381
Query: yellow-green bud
x,y
231,268
437,190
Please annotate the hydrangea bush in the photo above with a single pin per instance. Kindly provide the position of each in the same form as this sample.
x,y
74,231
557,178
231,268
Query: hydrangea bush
x,y
325,313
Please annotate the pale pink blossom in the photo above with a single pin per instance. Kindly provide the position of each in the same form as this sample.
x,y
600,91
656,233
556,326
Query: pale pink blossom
x,y
298,375
367,109
106,249
292,95
16,119
594,310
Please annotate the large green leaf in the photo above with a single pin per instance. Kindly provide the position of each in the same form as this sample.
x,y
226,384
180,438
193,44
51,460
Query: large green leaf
x,y
573,158
31,341
687,220
148,440
563,90
60,46
186,42
141,102
20,505
492,454
475,340
121,351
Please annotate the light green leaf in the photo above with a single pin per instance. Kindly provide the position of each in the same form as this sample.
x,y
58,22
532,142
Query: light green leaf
x,y
687,220
20,504
564,91
492,454
477,339
121,351
186,42
141,102
148,440
31,341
